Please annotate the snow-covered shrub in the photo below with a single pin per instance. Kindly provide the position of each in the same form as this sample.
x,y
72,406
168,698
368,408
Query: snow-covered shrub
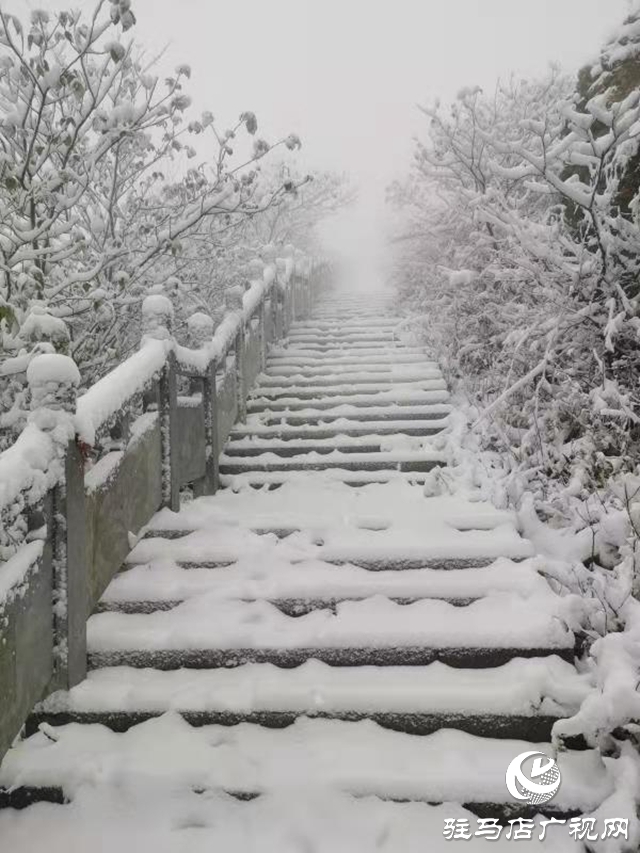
x,y
90,221
519,251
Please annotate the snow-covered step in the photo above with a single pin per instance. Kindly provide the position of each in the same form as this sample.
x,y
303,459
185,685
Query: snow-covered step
x,y
376,354
291,596
350,314
345,329
358,758
320,376
318,820
338,339
390,399
389,525
339,427
355,479
384,353
522,698
347,347
386,387
210,633
309,416
256,447
321,326
346,363
351,347
420,461
352,364
164,581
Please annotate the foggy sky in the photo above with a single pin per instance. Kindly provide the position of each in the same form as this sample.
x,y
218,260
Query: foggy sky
x,y
346,75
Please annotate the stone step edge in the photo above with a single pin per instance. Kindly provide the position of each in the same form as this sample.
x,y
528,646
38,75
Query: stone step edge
x,y
290,606
230,466
535,728
463,657
400,564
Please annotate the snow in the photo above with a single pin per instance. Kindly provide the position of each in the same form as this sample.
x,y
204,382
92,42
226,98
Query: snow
x,y
311,539
54,368
40,325
434,393
339,426
340,374
131,817
107,398
357,758
274,578
107,466
15,571
335,459
522,686
33,464
374,623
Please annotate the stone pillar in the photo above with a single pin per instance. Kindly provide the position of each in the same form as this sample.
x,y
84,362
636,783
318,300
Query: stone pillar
x,y
233,299
201,329
53,382
157,322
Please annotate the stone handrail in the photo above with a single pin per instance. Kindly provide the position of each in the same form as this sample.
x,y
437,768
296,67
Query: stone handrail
x,y
88,472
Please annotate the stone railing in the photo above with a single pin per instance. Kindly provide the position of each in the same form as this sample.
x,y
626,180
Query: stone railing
x,y
89,471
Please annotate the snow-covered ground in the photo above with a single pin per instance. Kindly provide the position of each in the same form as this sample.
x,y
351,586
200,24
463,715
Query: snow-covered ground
x,y
414,571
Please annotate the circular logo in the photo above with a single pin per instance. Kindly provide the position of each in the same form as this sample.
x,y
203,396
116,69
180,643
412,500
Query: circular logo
x,y
533,777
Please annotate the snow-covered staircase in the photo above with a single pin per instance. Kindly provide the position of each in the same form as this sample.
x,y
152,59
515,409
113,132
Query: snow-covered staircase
x,y
319,624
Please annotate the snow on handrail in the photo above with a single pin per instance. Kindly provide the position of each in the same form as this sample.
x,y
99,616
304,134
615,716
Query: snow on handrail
x,y
29,467
109,395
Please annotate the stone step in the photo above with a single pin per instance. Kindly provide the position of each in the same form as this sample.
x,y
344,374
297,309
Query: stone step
x,y
520,699
340,427
421,462
250,447
355,656
211,633
272,480
333,326
156,581
373,339
312,417
318,376
360,759
346,328
288,606
390,399
384,387
306,359
349,347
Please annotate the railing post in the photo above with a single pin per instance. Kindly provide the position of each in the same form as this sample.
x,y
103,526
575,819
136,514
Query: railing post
x,y
234,302
209,483
53,382
257,274
157,319
168,411
201,329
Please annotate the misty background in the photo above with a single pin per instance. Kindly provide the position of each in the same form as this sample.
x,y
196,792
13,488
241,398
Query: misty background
x,y
346,75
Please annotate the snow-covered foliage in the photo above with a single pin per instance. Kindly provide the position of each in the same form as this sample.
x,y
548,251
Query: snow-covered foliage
x,y
33,464
90,220
311,199
520,251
